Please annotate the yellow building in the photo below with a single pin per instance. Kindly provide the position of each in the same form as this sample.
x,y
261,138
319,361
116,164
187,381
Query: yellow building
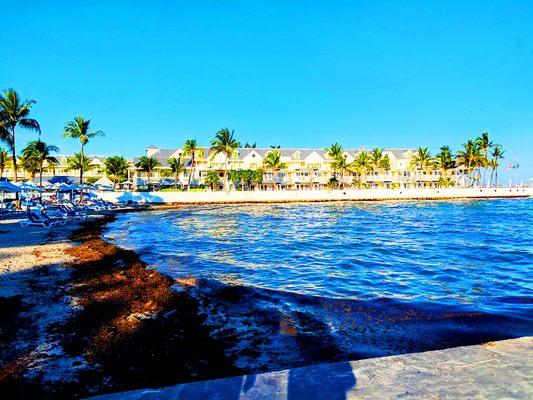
x,y
305,168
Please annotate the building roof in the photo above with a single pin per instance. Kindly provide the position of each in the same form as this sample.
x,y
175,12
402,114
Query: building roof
x,y
163,155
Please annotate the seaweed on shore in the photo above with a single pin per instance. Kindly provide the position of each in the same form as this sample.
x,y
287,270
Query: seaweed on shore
x,y
132,329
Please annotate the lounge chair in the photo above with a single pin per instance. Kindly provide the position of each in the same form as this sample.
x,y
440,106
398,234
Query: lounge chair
x,y
35,219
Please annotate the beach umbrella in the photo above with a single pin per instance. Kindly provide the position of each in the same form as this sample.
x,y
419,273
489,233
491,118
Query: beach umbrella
x,y
29,187
60,179
72,187
8,187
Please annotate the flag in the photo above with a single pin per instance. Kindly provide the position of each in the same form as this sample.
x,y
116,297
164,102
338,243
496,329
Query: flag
x,y
513,165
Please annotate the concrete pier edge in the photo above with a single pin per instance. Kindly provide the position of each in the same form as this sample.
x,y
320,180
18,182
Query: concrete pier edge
x,y
494,370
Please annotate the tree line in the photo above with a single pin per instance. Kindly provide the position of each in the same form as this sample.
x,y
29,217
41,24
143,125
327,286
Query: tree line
x,y
15,114
476,157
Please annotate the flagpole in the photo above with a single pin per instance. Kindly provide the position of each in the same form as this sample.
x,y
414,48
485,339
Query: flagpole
x,y
516,169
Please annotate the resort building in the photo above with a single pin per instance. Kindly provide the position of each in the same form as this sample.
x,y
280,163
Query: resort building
x,y
302,168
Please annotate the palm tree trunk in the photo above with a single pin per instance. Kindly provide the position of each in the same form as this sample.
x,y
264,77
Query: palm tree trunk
x,y
41,176
14,154
190,172
81,165
226,174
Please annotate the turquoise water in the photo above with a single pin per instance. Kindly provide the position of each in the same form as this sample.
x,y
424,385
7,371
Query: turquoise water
x,y
331,281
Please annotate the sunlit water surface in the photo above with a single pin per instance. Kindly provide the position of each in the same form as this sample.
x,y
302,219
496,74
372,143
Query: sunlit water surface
x,y
291,284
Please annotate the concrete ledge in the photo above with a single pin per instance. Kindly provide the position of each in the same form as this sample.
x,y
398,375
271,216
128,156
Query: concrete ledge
x,y
286,196
496,370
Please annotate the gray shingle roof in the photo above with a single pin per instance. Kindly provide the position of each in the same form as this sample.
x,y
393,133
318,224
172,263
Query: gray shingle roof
x,y
164,154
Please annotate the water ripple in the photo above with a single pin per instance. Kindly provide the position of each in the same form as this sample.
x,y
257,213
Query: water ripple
x,y
464,256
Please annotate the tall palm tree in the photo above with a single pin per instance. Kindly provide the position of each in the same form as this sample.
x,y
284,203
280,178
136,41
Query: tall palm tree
x,y
272,162
445,159
375,157
79,129
421,160
177,167
148,165
15,112
468,157
250,145
334,152
362,164
4,160
116,168
189,149
484,144
497,155
41,153
225,142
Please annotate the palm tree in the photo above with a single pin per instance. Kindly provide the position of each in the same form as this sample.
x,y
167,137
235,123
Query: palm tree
x,y
341,164
211,179
385,163
30,165
79,161
484,144
15,112
4,160
79,129
148,165
250,145
497,154
257,177
272,162
116,168
40,152
468,158
177,167
189,148
362,163
421,160
236,175
445,159
334,152
225,142
375,158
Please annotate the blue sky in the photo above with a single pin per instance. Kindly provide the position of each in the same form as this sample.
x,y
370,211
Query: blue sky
x,y
289,73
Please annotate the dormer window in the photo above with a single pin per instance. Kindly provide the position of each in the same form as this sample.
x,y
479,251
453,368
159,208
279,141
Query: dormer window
x,y
296,155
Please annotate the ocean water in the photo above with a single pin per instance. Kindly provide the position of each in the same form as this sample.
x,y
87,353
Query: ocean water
x,y
293,284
